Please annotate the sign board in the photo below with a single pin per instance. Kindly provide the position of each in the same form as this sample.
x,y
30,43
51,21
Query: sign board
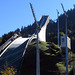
x,y
63,42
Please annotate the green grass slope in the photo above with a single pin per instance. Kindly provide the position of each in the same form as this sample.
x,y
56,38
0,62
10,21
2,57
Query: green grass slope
x,y
51,61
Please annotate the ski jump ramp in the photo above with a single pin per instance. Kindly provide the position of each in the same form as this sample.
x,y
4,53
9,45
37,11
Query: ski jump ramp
x,y
43,24
14,51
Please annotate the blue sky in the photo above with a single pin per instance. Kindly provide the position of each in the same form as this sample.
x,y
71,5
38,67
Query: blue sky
x,y
17,13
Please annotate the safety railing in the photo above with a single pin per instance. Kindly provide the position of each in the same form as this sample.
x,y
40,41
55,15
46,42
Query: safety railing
x,y
8,42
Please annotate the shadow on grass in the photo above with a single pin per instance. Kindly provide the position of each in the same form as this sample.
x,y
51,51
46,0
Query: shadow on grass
x,y
47,63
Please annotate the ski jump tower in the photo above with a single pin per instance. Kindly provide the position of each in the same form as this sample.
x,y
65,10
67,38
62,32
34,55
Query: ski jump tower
x,y
43,24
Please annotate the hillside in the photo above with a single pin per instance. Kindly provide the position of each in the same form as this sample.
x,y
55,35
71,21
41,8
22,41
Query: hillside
x,y
51,60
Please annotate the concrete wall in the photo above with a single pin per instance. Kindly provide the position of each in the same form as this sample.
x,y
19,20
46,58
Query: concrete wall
x,y
42,33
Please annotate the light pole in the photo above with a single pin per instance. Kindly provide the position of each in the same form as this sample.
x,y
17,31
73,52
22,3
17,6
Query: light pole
x,y
73,65
37,51
58,26
66,40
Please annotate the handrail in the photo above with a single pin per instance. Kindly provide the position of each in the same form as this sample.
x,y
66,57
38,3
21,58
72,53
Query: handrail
x,y
30,39
8,42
